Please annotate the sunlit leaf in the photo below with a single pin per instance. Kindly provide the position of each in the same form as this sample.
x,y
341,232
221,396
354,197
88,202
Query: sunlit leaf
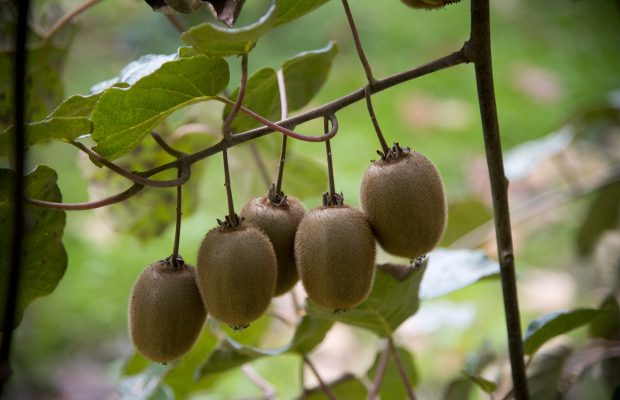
x,y
393,299
451,270
135,70
305,74
122,117
261,96
44,257
554,324
392,385
214,40
347,387
602,214
231,354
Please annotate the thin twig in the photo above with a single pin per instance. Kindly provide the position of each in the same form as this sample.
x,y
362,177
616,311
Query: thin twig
x,y
18,191
401,369
380,373
67,18
375,123
174,258
166,147
91,205
268,390
241,94
130,175
325,387
358,43
176,22
480,51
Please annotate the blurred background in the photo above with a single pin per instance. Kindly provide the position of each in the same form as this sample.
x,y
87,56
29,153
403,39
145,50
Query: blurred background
x,y
557,77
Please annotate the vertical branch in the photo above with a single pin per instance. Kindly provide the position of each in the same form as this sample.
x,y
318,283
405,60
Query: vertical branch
x,y
375,123
401,369
177,229
326,388
479,49
380,374
19,86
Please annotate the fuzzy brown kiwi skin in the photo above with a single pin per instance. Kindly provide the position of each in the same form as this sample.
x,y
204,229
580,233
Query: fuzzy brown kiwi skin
x,y
280,224
236,273
166,313
335,252
405,203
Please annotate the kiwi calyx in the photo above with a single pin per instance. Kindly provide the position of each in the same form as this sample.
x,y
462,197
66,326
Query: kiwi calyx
x,y
176,262
335,200
239,328
395,153
229,222
417,261
277,199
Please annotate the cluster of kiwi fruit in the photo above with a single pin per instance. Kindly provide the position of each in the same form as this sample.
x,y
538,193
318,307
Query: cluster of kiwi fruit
x,y
248,259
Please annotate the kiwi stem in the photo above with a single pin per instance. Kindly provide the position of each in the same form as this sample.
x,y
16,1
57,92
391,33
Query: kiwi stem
x,y
358,43
375,122
326,388
330,167
269,392
237,105
376,385
231,207
177,228
478,49
284,115
67,18
401,369
176,22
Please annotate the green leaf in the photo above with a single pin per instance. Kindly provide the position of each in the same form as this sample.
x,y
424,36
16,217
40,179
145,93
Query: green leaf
x,y
67,122
136,70
393,299
347,387
545,371
305,74
216,41
392,385
231,354
607,324
484,384
603,214
551,325
261,96
451,270
464,216
44,257
122,117
290,10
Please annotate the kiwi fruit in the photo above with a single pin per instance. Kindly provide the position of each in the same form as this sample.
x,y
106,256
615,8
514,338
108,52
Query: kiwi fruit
x,y
166,313
404,199
335,253
279,222
237,272
428,4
